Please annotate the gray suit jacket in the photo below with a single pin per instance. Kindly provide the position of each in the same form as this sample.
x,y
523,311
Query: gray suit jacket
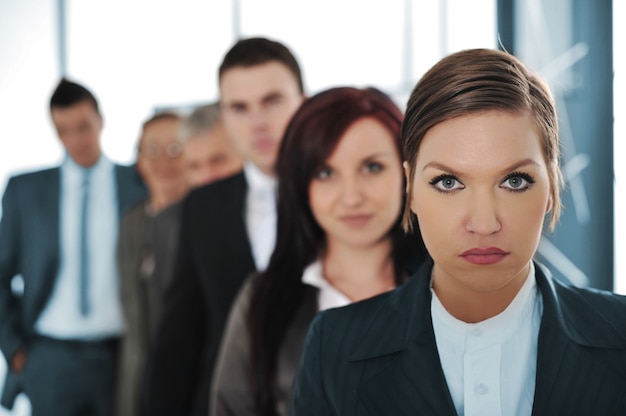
x,y
379,357
29,246
145,257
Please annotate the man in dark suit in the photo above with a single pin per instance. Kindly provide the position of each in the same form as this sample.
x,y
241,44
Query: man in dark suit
x,y
59,231
227,228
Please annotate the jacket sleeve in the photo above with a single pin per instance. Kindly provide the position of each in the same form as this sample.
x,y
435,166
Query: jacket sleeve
x,y
308,397
231,391
11,337
173,369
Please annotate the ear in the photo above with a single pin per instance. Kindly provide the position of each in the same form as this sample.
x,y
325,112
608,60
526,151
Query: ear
x,y
549,206
141,168
100,122
407,173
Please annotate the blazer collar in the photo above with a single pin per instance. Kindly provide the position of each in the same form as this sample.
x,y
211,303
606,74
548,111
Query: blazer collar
x,y
401,319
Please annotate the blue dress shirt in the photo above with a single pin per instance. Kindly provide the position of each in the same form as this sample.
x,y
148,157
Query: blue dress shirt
x,y
61,317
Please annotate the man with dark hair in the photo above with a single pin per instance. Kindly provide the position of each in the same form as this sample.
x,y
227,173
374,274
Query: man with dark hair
x,y
227,229
257,51
59,231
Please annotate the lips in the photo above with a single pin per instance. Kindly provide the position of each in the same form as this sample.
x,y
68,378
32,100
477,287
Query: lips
x,y
263,144
484,256
356,220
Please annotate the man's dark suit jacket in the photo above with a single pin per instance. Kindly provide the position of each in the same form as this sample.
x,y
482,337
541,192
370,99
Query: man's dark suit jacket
x,y
213,261
29,246
379,357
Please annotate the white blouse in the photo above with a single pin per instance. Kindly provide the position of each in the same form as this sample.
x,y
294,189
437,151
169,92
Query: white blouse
x,y
328,296
490,366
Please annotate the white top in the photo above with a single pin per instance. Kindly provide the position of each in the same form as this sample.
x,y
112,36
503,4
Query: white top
x,y
61,316
490,366
328,296
260,214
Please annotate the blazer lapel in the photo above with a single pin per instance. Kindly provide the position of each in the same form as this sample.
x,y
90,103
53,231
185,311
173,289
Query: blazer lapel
x,y
397,358
566,367
130,188
234,211
46,250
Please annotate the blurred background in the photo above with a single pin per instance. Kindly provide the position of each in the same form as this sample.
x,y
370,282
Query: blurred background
x,y
142,55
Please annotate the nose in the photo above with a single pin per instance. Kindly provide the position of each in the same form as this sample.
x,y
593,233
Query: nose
x,y
259,119
352,191
482,217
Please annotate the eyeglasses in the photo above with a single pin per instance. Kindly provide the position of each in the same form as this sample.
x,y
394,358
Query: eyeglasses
x,y
154,151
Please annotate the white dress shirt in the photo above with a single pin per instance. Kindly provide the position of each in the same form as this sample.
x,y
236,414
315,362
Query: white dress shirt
x,y
260,214
490,366
61,317
328,296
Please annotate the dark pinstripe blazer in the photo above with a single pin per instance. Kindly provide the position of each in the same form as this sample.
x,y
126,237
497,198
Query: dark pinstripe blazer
x,y
379,357
214,258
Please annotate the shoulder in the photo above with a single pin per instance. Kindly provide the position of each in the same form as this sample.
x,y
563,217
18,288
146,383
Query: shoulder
x,y
34,176
341,331
136,211
125,169
29,184
127,173
221,192
246,291
234,183
609,303
355,331
591,317
170,212
355,315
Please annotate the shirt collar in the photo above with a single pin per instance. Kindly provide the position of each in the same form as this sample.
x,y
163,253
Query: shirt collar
x,y
74,173
73,169
328,296
257,180
499,328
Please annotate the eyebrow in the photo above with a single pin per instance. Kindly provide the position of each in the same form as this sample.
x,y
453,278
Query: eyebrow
x,y
234,104
242,103
376,155
520,164
271,96
367,158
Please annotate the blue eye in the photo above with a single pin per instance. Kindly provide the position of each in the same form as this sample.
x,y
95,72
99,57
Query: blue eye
x,y
373,167
446,183
517,182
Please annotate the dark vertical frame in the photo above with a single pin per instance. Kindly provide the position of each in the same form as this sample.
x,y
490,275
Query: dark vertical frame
x,y
62,36
505,25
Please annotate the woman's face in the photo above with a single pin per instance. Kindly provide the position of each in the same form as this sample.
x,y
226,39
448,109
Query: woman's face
x,y
480,193
356,196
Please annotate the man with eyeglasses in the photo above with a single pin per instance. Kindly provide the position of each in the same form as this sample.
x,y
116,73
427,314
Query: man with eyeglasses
x,y
58,231
146,248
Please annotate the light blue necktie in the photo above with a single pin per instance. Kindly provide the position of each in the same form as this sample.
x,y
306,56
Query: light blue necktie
x,y
84,246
